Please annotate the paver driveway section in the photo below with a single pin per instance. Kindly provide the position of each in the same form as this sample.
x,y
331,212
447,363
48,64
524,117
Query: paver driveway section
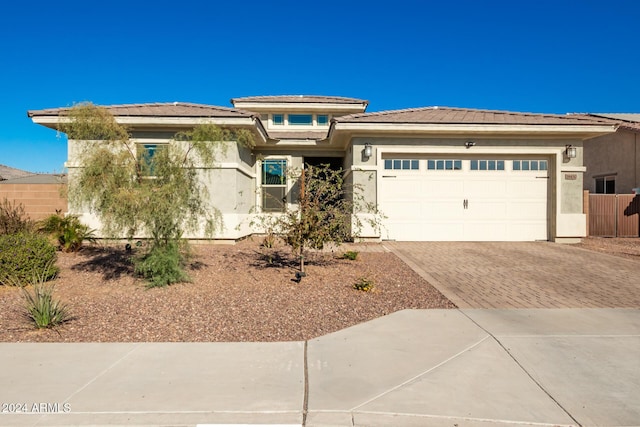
x,y
523,274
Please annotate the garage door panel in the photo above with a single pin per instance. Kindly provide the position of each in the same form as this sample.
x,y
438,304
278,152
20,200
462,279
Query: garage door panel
x,y
430,204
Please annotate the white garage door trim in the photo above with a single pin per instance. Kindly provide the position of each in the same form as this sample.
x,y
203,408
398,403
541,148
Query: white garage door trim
x,y
455,198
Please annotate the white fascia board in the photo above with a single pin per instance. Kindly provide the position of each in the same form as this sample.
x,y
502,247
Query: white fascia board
x,y
303,106
163,121
476,129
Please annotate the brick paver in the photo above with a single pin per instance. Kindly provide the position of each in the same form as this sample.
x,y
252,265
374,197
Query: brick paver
x,y
523,274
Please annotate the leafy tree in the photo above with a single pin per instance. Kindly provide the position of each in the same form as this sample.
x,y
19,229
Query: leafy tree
x,y
324,213
155,191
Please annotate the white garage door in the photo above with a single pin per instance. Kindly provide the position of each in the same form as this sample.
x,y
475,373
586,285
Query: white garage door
x,y
453,199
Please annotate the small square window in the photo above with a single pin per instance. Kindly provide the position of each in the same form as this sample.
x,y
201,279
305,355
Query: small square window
x,y
406,164
474,165
543,165
388,164
457,165
440,165
516,165
534,165
322,119
500,165
448,165
415,164
397,164
525,165
431,165
492,165
278,119
483,165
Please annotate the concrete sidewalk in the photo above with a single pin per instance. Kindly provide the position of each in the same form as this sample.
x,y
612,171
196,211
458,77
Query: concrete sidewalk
x,y
529,367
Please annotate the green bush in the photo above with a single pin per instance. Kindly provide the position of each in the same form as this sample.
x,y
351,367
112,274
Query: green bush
x,y
163,265
41,306
364,284
24,253
68,231
13,218
350,255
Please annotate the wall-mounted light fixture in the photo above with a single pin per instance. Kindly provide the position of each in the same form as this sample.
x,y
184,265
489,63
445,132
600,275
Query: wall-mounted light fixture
x,y
570,152
368,150
469,144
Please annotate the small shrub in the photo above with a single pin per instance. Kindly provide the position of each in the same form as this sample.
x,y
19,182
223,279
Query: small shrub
x,y
364,284
43,308
13,218
162,265
269,241
23,253
68,231
40,305
351,255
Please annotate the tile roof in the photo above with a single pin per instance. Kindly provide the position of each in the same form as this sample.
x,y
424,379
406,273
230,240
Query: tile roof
x,y
39,178
169,109
7,172
448,115
299,135
315,99
630,121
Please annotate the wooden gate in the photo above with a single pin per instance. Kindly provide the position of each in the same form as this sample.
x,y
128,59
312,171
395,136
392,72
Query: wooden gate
x,y
613,215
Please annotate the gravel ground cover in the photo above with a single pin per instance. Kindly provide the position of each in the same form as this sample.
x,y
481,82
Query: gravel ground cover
x,y
619,246
239,292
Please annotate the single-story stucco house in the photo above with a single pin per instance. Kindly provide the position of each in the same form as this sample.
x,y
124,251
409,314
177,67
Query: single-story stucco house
x,y
436,173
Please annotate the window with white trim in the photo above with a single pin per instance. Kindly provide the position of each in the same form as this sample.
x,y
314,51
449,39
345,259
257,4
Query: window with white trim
x,y
274,185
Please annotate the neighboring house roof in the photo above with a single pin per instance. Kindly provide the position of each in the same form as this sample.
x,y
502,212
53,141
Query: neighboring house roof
x,y
169,109
310,99
448,115
7,172
629,121
39,178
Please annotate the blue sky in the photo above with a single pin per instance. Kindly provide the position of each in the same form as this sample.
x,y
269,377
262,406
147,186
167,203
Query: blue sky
x,y
550,56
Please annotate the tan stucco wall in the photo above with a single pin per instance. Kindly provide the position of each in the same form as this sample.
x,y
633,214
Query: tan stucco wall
x,y
616,154
39,200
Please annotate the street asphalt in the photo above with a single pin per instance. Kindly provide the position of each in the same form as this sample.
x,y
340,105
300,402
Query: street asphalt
x,y
457,368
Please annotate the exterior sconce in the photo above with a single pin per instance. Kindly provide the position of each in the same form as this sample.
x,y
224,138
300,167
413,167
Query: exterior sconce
x,y
368,150
469,144
570,152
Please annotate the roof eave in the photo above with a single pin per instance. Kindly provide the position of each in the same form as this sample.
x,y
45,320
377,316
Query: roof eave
x,y
456,129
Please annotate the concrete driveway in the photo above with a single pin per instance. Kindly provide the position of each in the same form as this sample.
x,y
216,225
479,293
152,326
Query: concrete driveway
x,y
523,274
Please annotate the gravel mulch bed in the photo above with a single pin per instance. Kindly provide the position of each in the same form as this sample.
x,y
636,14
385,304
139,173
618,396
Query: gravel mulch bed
x,y
627,247
238,292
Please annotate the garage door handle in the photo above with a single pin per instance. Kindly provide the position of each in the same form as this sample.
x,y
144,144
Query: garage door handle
x,y
465,204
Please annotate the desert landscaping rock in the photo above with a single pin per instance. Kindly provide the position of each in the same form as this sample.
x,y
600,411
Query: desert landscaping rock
x,y
238,292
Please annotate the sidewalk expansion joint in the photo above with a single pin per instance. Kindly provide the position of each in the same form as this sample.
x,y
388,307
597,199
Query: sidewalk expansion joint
x,y
410,380
536,382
